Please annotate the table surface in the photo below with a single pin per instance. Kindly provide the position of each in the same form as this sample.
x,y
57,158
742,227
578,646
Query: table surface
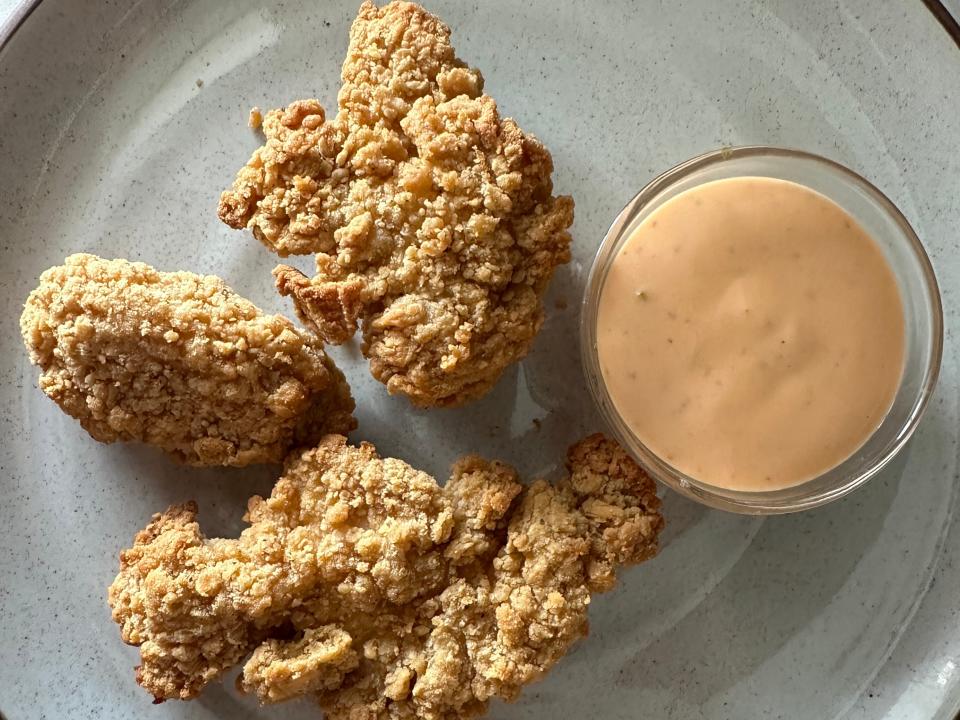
x,y
6,9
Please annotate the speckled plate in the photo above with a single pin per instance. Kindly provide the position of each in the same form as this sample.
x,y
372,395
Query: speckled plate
x,y
121,121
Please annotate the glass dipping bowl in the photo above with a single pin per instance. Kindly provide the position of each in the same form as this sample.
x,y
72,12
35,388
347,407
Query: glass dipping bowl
x,y
923,317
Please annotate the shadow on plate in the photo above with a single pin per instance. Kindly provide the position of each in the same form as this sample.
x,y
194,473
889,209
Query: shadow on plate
x,y
220,492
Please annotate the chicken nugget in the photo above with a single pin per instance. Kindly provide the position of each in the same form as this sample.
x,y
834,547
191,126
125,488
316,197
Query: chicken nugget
x,y
179,361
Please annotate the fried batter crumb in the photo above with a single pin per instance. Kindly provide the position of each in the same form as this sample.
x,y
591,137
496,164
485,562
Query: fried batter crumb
x,y
432,218
364,583
318,661
179,361
255,120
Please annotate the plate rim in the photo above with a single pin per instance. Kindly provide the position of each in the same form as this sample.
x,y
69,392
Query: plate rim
x,y
15,20
946,17
22,11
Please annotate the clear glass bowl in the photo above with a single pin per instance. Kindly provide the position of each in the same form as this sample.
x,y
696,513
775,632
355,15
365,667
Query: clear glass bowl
x,y
918,289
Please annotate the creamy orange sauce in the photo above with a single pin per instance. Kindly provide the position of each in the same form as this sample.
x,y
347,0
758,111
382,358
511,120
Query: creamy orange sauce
x,y
751,333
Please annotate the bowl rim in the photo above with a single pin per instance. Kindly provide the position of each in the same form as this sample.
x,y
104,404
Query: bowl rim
x,y
752,502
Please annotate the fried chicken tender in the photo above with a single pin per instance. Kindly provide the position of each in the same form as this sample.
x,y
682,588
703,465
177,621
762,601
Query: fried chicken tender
x,y
432,218
179,361
363,582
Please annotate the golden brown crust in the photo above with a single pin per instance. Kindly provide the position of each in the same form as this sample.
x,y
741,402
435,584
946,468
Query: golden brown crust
x,y
279,670
432,218
179,361
361,581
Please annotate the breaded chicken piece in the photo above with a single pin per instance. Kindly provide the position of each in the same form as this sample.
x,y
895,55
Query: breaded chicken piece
x,y
364,583
179,361
432,218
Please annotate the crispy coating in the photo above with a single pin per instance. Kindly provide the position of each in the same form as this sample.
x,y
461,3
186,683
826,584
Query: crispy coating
x,y
280,670
179,361
432,219
364,583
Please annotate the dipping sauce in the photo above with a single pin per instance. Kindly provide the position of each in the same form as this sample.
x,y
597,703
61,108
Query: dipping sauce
x,y
751,333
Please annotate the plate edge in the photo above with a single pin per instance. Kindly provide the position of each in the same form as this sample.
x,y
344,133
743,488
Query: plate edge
x,y
20,13
946,17
943,15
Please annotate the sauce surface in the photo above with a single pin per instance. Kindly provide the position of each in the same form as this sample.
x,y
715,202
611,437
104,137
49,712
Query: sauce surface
x,y
751,333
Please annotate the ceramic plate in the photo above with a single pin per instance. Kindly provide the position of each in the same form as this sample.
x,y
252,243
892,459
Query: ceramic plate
x,y
120,123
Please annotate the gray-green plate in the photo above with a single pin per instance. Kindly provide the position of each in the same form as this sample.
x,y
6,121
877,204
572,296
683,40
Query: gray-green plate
x,y
121,121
